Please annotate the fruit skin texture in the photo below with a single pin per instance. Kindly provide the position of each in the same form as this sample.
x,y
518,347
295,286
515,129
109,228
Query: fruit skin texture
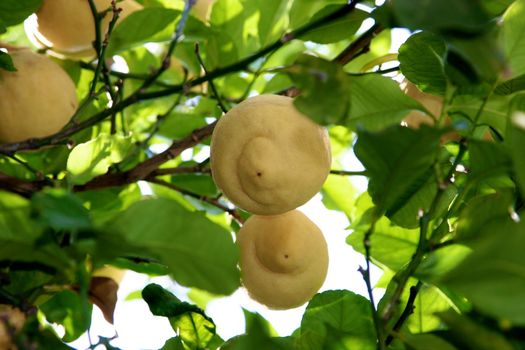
x,y
267,157
67,26
37,100
283,259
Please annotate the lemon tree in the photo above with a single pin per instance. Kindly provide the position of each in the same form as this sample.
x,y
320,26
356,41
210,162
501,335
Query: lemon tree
x,y
124,179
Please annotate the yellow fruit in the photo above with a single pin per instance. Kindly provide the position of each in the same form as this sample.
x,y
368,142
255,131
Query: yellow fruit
x,y
434,104
283,259
35,101
431,102
267,157
108,271
67,26
202,9
11,321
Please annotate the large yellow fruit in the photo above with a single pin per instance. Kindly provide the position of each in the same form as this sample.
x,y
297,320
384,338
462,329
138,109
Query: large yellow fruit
x,y
283,259
267,157
68,27
11,321
35,101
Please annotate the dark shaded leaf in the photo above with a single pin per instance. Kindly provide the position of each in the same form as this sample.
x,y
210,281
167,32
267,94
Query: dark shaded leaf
x,y
192,325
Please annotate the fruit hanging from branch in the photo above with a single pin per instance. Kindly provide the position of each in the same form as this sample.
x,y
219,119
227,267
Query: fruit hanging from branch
x,y
37,100
283,260
67,27
267,157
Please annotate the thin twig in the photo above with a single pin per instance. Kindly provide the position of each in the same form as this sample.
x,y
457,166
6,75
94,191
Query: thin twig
x,y
349,173
409,310
358,46
210,82
205,199
365,272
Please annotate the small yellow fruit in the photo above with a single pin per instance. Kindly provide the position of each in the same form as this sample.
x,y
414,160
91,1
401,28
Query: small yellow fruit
x,y
35,101
433,103
112,272
11,321
202,9
283,259
267,157
68,27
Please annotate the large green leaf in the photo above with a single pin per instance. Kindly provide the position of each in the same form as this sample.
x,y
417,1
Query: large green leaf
x,y
324,89
340,29
339,194
197,252
391,245
303,10
485,215
399,161
337,317
139,26
426,342
259,335
495,268
472,335
377,102
422,61
192,325
441,16
60,210
94,157
70,310
15,11
512,38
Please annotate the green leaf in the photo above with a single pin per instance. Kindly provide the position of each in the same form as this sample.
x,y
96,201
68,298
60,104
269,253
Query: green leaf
x,y
337,316
465,16
472,335
60,210
512,38
392,246
421,60
201,184
174,343
339,194
197,252
488,159
511,86
272,19
6,62
517,143
94,157
139,26
324,89
340,29
16,11
70,310
494,269
303,10
177,125
192,325
377,102
484,215
399,161
258,336
426,342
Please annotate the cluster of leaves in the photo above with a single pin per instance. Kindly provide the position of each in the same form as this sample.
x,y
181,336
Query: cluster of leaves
x,y
440,217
